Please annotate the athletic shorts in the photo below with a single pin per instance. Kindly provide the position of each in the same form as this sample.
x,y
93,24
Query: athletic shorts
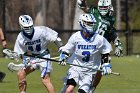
x,y
43,65
83,80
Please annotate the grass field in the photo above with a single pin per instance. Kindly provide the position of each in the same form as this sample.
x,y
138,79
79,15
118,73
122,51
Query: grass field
x,y
127,82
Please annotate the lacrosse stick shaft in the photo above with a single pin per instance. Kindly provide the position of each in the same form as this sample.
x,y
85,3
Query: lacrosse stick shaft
x,y
15,55
114,73
53,59
83,66
49,59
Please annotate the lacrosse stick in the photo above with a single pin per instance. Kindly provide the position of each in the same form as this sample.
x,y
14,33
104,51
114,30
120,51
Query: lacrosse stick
x,y
114,73
53,59
14,55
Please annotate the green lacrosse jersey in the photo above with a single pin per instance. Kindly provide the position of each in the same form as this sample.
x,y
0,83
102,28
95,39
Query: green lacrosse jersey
x,y
105,23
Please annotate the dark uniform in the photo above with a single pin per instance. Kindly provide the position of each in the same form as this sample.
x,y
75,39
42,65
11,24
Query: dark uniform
x,y
105,24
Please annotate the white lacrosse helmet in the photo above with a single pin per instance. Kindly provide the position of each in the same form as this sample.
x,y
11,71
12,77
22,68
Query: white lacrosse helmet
x,y
104,6
88,23
26,24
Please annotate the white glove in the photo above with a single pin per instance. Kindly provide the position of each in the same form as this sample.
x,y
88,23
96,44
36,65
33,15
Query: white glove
x,y
119,51
10,54
81,3
63,57
118,48
106,68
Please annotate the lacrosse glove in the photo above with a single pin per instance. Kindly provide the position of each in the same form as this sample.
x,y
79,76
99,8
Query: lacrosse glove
x,y
81,3
63,58
106,68
118,48
26,61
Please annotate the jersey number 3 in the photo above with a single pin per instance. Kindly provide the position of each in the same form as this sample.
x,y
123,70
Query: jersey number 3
x,y
86,55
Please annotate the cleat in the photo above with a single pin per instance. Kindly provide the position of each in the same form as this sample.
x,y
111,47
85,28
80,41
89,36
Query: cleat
x,y
2,76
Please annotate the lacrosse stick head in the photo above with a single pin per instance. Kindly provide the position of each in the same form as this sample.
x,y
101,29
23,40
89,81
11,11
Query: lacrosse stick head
x,y
15,67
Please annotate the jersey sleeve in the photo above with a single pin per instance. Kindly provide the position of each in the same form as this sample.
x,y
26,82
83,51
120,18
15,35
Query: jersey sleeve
x,y
105,46
91,10
50,35
113,20
19,47
70,45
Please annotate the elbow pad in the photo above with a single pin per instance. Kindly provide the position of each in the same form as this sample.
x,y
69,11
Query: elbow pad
x,y
58,42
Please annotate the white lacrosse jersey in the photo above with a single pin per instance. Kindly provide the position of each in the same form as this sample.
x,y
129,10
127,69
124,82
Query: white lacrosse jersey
x,y
85,52
38,43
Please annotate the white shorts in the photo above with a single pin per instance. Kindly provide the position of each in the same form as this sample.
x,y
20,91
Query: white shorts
x,y
83,80
43,65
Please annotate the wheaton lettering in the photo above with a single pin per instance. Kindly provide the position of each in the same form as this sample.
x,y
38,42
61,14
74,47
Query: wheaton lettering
x,y
87,47
33,42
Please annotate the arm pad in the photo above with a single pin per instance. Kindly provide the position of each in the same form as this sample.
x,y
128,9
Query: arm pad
x,y
105,58
113,35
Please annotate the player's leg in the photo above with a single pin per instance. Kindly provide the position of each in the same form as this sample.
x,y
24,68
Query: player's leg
x,y
64,85
85,83
95,81
2,75
47,83
70,81
70,85
21,74
97,78
46,68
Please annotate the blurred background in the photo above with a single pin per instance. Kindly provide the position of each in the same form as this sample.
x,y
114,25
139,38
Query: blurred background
x,y
62,16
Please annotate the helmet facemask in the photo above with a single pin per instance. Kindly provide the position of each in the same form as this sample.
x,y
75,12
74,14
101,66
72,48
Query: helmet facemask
x,y
27,30
104,6
88,23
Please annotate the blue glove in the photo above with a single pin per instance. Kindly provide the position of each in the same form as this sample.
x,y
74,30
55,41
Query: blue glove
x,y
63,57
26,61
106,68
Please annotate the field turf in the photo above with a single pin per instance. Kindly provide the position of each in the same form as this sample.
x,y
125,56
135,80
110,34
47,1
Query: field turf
x,y
127,82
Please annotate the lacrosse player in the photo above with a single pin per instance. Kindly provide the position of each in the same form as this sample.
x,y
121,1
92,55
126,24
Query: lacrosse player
x,y
87,49
4,43
106,20
34,40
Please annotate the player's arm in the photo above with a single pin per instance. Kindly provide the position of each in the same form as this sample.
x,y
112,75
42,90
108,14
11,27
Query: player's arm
x,y
105,50
105,64
105,58
19,48
58,42
67,50
52,36
3,39
118,45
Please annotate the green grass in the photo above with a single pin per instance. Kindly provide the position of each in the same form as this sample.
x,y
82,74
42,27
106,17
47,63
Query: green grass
x,y
127,82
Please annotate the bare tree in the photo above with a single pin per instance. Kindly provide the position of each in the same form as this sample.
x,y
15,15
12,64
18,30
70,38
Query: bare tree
x,y
118,14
